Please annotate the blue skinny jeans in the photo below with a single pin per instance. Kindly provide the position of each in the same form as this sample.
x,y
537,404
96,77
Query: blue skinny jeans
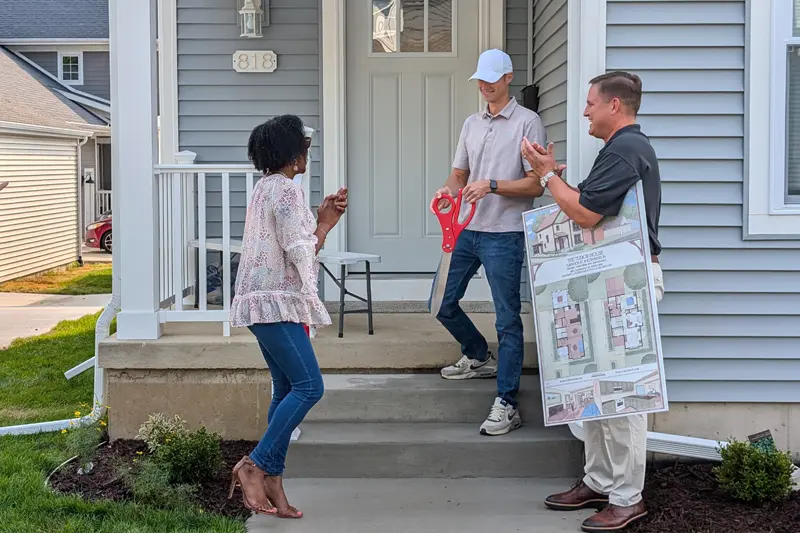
x,y
297,387
501,254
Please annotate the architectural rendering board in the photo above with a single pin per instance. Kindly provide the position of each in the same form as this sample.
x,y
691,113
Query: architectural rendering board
x,y
595,314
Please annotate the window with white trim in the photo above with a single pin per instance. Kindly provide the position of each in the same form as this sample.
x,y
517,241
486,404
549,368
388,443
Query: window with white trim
x,y
792,45
70,68
772,194
786,105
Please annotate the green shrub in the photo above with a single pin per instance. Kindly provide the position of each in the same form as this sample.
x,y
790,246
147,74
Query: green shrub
x,y
82,441
191,457
150,484
158,428
754,475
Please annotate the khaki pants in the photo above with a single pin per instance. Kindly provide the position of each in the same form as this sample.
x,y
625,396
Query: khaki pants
x,y
616,449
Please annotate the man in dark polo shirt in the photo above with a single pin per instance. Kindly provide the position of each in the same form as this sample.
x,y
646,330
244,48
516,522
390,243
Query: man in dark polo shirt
x,y
616,448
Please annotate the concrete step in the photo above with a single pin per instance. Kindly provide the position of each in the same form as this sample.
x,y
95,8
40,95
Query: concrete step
x,y
401,342
422,506
417,398
430,450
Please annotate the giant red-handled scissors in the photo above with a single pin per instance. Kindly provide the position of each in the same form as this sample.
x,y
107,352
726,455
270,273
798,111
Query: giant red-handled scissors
x,y
451,229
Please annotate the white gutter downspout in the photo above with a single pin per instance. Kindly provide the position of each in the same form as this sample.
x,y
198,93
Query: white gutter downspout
x,y
80,199
670,444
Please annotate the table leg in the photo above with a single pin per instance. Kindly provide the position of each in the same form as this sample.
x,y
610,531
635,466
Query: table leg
x,y
341,302
369,299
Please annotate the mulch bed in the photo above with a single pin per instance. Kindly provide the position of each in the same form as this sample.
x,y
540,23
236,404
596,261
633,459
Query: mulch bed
x,y
103,484
681,498
684,498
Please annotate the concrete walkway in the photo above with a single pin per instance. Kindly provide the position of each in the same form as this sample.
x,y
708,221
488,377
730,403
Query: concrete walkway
x,y
26,315
422,506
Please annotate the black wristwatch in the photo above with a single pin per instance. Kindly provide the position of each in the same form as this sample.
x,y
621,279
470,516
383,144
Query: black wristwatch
x,y
493,185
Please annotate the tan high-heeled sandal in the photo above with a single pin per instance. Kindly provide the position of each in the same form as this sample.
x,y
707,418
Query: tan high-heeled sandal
x,y
290,512
236,481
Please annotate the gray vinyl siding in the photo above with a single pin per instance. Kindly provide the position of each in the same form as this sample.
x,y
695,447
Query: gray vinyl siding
x,y
46,60
96,75
729,320
550,70
218,107
517,43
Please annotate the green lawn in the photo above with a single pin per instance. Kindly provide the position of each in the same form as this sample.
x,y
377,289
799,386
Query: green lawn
x,y
33,388
91,278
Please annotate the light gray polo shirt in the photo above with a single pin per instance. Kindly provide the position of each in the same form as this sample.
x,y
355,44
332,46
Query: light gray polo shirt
x,y
490,148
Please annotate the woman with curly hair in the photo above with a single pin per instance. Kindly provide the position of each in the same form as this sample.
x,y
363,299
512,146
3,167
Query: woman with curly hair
x,y
276,296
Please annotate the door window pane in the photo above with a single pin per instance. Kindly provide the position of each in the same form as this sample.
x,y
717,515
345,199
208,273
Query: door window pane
x,y
411,18
796,25
399,26
793,123
440,25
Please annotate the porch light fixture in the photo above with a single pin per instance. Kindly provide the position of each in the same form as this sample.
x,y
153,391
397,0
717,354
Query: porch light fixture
x,y
251,18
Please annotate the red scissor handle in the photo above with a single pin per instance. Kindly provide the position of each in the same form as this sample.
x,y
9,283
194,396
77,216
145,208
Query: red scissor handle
x,y
451,227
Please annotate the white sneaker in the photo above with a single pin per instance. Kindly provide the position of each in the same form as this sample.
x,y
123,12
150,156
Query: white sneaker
x,y
467,368
502,419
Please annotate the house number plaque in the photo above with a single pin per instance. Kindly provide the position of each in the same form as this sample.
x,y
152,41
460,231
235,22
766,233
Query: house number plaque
x,y
255,61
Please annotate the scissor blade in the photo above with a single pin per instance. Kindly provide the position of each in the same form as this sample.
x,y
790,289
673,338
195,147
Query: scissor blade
x,y
441,283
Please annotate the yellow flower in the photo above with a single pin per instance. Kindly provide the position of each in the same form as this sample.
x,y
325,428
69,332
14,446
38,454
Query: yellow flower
x,y
77,413
103,423
139,453
63,431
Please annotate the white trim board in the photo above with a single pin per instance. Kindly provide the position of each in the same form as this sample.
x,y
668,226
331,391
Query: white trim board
x,y
334,140
168,79
764,217
37,41
586,58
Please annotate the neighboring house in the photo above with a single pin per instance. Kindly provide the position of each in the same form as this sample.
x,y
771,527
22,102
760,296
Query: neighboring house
x,y
43,138
721,105
68,40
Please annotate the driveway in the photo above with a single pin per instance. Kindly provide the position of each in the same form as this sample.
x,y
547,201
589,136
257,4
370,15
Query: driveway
x,y
26,315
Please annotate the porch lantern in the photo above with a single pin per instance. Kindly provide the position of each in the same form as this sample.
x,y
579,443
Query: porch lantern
x,y
251,18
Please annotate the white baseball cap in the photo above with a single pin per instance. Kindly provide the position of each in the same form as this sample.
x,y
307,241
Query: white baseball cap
x,y
492,65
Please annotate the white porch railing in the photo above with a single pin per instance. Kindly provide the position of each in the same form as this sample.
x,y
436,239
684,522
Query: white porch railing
x,y
103,203
187,194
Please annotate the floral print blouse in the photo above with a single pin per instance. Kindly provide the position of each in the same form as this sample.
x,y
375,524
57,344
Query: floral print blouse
x,y
278,268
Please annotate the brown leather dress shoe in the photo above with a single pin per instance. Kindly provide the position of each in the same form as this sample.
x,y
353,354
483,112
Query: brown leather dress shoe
x,y
578,497
614,518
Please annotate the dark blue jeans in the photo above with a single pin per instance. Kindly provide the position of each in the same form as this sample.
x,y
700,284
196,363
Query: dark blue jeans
x,y
297,387
501,254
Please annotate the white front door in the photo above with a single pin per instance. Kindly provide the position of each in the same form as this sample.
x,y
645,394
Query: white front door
x,y
408,94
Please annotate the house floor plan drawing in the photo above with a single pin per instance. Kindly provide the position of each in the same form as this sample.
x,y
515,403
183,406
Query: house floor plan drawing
x,y
626,319
594,313
569,330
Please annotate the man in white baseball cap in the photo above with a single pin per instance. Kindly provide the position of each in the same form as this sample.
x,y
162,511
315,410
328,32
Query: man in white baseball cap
x,y
491,171
493,65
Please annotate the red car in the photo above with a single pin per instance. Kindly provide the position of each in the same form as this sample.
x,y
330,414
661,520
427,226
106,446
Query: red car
x,y
98,234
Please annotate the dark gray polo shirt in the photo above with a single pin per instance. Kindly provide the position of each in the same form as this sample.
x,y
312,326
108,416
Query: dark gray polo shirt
x,y
626,158
490,148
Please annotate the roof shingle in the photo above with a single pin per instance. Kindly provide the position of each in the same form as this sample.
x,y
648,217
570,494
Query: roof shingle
x,y
53,19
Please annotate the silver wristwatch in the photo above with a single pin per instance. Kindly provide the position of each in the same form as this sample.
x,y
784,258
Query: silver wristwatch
x,y
544,179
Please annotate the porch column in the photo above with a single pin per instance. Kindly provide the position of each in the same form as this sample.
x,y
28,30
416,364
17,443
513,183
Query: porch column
x,y
586,58
133,100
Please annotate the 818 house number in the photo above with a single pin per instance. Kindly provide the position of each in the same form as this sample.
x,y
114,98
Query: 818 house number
x,y
255,61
